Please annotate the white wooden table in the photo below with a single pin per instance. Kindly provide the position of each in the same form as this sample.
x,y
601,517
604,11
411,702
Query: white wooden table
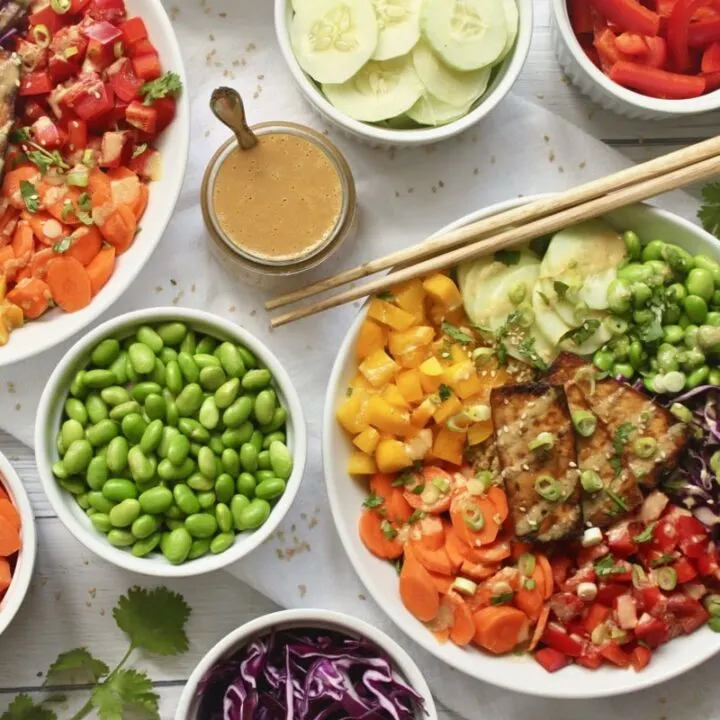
x,y
70,601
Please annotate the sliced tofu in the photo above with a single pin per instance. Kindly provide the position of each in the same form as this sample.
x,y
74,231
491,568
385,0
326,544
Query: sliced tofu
x,y
520,413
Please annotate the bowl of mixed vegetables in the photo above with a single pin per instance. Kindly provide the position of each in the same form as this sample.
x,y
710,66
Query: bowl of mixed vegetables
x,y
521,456
327,665
170,442
94,160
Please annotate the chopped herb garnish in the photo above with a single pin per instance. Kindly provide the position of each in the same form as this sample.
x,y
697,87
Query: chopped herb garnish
x,y
402,479
68,209
416,517
651,331
560,288
577,336
84,202
502,353
444,392
620,502
373,500
348,392
709,213
508,257
63,245
45,159
621,439
540,245
386,296
20,135
30,196
526,350
606,566
84,211
167,85
662,560
418,489
646,535
388,530
455,333
503,599
544,298
399,564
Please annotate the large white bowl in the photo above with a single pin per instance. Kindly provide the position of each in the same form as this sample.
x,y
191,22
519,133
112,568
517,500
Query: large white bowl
x,y
57,326
13,598
504,79
48,421
310,619
590,80
521,674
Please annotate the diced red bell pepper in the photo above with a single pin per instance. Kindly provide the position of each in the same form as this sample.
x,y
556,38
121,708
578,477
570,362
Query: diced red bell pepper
x,y
49,18
95,105
655,82
690,613
116,149
629,15
590,658
664,7
652,631
684,570
112,11
693,536
77,134
147,165
60,69
604,43
597,615
651,597
551,660
678,30
45,133
104,40
590,555
35,83
133,30
580,16
640,657
632,44
32,56
118,113
165,108
665,535
556,637
620,536
143,117
584,574
566,606
125,84
615,654
607,592
147,67
70,44
142,47
711,59
32,111
560,566
707,563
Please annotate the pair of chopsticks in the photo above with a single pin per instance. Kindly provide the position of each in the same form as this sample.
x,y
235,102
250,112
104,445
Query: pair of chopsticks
x,y
521,224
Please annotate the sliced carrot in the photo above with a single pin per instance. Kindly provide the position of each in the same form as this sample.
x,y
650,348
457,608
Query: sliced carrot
x,y
498,498
39,262
436,561
101,268
463,629
393,501
429,532
124,187
530,599
32,296
458,549
7,259
12,183
46,228
119,228
518,548
8,223
86,243
467,509
69,284
544,564
442,583
477,571
441,625
3,493
500,629
99,188
431,490
23,242
494,553
5,575
62,203
9,539
140,205
23,274
540,627
417,589
9,513
377,541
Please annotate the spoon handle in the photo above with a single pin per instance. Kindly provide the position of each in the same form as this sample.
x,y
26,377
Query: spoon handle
x,y
228,108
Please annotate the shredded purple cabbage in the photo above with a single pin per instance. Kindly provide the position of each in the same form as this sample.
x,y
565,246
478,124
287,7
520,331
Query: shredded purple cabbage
x,y
307,675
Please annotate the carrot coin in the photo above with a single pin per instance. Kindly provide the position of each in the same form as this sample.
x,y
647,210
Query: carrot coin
x,y
500,629
69,284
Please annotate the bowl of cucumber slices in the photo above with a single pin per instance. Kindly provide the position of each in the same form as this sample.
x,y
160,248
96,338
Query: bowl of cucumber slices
x,y
404,72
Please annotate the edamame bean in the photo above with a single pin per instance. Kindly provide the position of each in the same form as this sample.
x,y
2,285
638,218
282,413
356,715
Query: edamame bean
x,y
248,457
97,473
130,371
188,402
186,499
231,360
206,346
209,415
99,502
206,499
207,464
246,484
141,391
172,416
238,412
705,263
636,354
78,456
126,408
700,282
145,525
265,407
168,433
158,373
178,449
281,459
147,336
200,483
205,360
133,426
175,545
59,471
641,294
280,436
264,460
120,538
70,431
172,333
227,393
708,338
278,421
190,371
624,369
222,542
632,245
216,445
117,455
261,475
673,334
667,357
676,293
653,250
174,524
643,317
679,260
211,378
256,440
119,368
118,489
714,376
142,358
115,395
224,487
144,546
151,437
696,309
698,377
167,471
78,388
173,377
101,522
141,468
75,410
168,355
155,406
237,505
201,525
235,437
198,549
125,513
105,353
249,360
74,486
157,500
189,342
620,348
98,379
713,318
270,488
672,315
223,517
256,379
692,359
253,515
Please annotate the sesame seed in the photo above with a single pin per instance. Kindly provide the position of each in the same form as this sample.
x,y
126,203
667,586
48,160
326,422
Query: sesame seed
x,y
572,464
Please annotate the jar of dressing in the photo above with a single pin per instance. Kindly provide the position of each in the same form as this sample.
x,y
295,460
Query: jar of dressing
x,y
280,208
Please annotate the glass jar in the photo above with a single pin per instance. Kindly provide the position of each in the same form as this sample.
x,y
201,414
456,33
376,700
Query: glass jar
x,y
264,270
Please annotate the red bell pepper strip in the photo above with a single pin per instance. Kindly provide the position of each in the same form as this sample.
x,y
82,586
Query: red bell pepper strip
x,y
703,32
596,615
551,660
629,15
655,82
616,655
35,83
581,17
143,117
678,29
631,44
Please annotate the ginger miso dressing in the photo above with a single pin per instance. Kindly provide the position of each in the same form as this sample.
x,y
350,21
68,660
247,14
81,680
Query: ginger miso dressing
x,y
280,200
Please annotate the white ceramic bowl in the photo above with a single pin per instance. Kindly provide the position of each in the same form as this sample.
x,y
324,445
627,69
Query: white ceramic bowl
x,y
521,674
48,421
504,79
310,619
590,80
13,598
57,326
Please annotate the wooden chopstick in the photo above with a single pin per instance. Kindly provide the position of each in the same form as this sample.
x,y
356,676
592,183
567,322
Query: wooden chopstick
x,y
516,216
695,172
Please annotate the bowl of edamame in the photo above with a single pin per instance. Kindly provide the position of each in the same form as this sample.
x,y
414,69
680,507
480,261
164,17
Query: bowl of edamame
x,y
170,442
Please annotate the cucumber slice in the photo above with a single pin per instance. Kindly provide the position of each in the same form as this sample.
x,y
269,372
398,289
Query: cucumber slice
x,y
512,16
333,39
381,90
467,34
399,23
429,110
448,85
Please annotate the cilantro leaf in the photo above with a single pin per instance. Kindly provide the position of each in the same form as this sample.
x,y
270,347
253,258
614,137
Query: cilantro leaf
x,y
388,530
455,333
709,213
662,560
526,349
23,708
154,620
622,436
167,85
30,196
540,245
503,599
619,501
76,667
646,535
577,336
373,500
560,288
651,331
507,257
543,297
20,135
125,693
416,516
444,392
45,159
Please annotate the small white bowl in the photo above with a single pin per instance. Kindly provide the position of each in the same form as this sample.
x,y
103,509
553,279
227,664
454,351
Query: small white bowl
x,y
376,135
56,326
591,81
308,619
13,598
48,420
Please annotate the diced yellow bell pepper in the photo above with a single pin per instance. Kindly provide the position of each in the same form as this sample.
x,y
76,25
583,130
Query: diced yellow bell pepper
x,y
444,291
439,314
447,409
391,456
411,297
432,368
353,411
370,338
413,359
12,315
361,464
386,417
449,446
479,432
423,412
463,379
408,383
410,340
392,394
378,368
390,315
459,354
367,440
360,381
430,385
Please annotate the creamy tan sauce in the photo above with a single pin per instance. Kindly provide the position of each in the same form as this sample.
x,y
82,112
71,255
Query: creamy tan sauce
x,y
280,200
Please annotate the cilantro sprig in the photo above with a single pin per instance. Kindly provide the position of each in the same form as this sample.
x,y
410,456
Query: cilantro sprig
x,y
154,621
169,85
709,213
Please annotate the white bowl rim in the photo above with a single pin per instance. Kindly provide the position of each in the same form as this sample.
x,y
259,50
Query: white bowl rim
x,y
307,618
688,106
414,137
59,500
25,567
105,300
405,622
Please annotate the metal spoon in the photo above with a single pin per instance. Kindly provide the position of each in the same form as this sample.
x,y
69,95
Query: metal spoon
x,y
228,108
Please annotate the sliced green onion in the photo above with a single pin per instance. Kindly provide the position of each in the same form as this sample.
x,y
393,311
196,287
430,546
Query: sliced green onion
x,y
714,624
482,355
458,423
517,293
644,447
580,311
681,412
70,52
464,586
476,488
666,578
674,381
548,487
526,564
60,6
599,634
543,441
591,481
529,584
474,518
712,604
441,484
615,325
118,49
585,422
639,576
502,599
479,412
88,158
41,35
486,478
78,177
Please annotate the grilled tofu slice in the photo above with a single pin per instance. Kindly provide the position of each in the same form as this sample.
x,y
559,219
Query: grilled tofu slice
x,y
520,413
9,81
629,416
596,453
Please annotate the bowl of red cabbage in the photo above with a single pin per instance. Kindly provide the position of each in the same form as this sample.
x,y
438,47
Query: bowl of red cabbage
x,y
306,665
